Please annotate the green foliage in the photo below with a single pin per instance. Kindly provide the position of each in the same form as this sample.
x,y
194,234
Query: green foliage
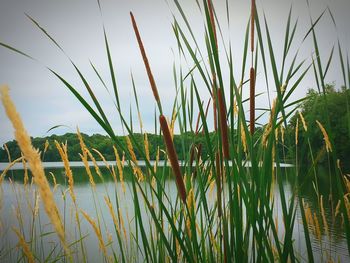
x,y
102,143
330,106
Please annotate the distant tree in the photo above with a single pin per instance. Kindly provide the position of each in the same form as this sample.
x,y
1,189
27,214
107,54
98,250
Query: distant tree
x,y
332,110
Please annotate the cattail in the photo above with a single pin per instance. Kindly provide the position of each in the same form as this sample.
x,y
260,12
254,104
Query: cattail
x,y
252,19
24,245
173,157
223,125
120,168
252,100
97,232
325,137
145,61
33,158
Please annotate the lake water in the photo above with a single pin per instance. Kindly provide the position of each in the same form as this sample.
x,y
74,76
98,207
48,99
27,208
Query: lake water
x,y
14,197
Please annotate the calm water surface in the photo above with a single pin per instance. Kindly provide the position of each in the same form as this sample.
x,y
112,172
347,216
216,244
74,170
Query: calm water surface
x,y
14,198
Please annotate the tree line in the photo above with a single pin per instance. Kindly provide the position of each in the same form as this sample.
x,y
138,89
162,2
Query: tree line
x,y
331,108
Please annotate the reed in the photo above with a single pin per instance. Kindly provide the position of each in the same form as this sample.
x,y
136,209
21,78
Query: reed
x,y
173,158
33,158
223,211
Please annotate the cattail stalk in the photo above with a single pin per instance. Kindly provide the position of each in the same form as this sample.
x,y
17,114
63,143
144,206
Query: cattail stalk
x,y
173,158
145,61
252,100
223,125
252,21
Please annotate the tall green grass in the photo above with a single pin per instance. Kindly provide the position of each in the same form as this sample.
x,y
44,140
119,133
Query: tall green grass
x,y
238,224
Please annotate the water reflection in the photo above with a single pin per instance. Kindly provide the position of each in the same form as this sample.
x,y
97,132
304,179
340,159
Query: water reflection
x,y
15,198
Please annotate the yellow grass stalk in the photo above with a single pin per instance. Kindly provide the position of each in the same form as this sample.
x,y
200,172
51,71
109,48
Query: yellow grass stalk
x,y
97,232
157,160
302,120
244,139
63,151
173,158
54,181
25,169
282,133
36,206
102,158
121,220
4,172
97,169
88,171
8,153
46,146
324,220
136,167
337,209
191,201
33,158
296,132
111,211
325,137
120,168
145,140
24,245
317,227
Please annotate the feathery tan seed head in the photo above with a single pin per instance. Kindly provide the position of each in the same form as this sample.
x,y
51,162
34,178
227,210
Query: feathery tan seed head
x,y
33,158
325,137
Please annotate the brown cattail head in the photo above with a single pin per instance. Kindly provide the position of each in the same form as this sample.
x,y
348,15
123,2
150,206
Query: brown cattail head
x,y
252,100
145,60
223,125
252,26
173,157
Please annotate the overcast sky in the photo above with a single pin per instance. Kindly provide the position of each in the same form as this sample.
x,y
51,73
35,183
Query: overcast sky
x,y
44,102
